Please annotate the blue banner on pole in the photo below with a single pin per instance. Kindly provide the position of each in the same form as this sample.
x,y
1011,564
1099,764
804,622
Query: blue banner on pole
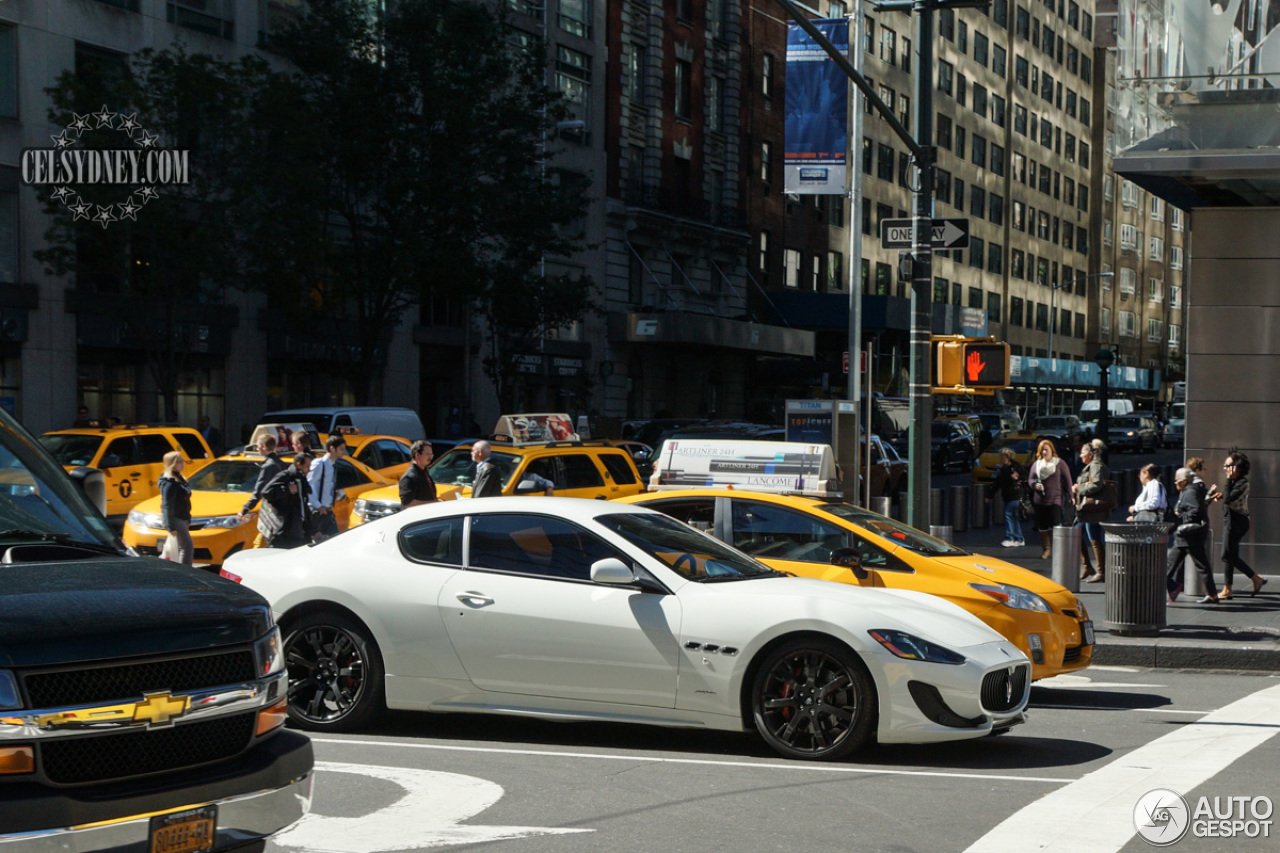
x,y
817,109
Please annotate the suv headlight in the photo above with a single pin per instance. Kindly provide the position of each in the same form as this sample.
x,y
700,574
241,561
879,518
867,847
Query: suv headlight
x,y
269,653
1013,596
220,521
9,698
143,521
909,646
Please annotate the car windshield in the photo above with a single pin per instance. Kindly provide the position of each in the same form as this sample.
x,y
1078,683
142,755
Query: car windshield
x,y
895,531
226,475
1050,423
38,501
693,555
456,467
72,449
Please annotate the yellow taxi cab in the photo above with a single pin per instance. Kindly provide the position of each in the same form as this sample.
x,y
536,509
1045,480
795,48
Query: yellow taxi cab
x,y
130,457
521,447
219,491
1024,450
793,520
386,454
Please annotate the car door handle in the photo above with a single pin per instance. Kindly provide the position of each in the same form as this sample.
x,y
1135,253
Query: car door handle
x,y
474,599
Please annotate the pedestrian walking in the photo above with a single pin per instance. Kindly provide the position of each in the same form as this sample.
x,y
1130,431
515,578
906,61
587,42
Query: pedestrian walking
x,y
1191,536
1011,480
285,515
175,509
1050,486
1152,502
270,467
1235,512
323,481
416,485
488,482
1092,481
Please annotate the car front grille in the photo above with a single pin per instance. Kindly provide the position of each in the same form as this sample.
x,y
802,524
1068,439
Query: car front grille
x,y
1002,690
1072,654
83,760
86,685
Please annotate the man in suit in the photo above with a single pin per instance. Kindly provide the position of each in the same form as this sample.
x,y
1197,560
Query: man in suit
x,y
488,483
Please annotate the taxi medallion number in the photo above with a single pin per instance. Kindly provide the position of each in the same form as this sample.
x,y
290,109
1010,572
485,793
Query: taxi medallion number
x,y
190,831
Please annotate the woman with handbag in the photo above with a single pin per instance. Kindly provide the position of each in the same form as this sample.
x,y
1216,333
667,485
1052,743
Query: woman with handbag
x,y
1152,502
1010,479
175,508
1050,485
1235,505
1190,536
284,518
1095,498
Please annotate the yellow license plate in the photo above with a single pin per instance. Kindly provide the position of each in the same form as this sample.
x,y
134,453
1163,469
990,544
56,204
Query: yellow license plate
x,y
190,831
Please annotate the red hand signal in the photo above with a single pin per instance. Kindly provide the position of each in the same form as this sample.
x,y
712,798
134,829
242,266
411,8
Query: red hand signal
x,y
973,366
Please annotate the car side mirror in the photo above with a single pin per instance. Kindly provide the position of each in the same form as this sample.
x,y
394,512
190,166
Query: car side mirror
x,y
850,559
612,571
527,487
94,485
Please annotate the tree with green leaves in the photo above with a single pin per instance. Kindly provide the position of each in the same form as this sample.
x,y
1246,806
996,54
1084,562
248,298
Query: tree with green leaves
x,y
402,155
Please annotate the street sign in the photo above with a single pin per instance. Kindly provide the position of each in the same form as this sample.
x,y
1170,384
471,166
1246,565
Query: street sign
x,y
862,362
947,234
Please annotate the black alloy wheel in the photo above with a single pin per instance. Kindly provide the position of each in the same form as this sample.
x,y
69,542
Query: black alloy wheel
x,y
335,673
813,699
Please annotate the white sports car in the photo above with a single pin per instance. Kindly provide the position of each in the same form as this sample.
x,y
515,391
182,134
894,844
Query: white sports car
x,y
568,609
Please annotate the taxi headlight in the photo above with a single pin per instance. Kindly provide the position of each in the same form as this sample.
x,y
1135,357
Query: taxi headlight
x,y
269,653
220,521
143,521
359,508
1013,596
911,647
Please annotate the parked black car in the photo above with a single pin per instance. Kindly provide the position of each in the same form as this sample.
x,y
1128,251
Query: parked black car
x,y
141,701
952,445
1135,432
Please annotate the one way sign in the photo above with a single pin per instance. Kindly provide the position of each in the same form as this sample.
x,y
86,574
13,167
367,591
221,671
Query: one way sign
x,y
947,233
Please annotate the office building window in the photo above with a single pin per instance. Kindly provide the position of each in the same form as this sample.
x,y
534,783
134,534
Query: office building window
x,y
888,46
766,162
791,267
940,288
684,89
995,209
978,150
976,249
764,251
946,77
766,75
835,271
214,17
977,201
993,308
575,17
999,60
975,297
995,258
884,163
980,49
1015,310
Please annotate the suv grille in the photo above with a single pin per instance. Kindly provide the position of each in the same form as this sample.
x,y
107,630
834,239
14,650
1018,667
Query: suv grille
x,y
125,681
78,761
1002,690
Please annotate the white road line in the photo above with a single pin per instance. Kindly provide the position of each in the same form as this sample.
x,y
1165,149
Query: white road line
x,y
1113,708
1095,813
809,766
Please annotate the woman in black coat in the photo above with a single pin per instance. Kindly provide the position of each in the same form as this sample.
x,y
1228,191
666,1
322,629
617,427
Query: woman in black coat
x,y
287,493
1191,536
175,508
1235,511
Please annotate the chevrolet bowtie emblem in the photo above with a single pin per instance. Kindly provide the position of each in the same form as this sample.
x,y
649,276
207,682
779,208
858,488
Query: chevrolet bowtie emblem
x,y
155,709
159,709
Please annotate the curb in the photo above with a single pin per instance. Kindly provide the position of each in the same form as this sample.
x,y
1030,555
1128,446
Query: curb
x,y
1171,654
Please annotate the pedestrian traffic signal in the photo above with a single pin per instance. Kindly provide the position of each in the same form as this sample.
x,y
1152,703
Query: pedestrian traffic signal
x,y
976,365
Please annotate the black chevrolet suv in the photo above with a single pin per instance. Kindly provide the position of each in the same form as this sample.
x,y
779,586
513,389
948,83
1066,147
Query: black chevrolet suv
x,y
141,702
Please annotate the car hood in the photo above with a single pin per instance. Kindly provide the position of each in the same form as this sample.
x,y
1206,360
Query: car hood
x,y
917,612
99,609
978,568
203,504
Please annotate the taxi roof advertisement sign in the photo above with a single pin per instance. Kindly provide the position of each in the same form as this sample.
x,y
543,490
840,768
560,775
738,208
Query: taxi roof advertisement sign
x,y
817,111
766,466
537,428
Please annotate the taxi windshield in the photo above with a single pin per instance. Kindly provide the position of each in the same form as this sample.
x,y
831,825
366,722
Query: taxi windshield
x,y
38,501
894,531
226,475
693,555
456,467
72,449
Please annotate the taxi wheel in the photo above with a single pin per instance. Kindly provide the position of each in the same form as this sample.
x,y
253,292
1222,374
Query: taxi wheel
x,y
813,699
335,673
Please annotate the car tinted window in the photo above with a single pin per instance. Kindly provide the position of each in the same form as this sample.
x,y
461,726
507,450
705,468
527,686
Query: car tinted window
x,y
456,468
119,452
580,472
393,453
152,448
349,475
72,449
370,455
438,541
535,545
695,512
226,475
619,468
190,445
694,556
894,531
766,531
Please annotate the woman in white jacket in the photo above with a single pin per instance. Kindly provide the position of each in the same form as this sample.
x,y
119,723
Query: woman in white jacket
x,y
1153,501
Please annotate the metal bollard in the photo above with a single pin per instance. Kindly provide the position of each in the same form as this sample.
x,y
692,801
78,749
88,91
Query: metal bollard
x,y
941,531
959,508
937,507
1065,557
980,507
880,505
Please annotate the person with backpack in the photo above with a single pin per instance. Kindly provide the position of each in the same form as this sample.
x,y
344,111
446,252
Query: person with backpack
x,y
1152,503
285,518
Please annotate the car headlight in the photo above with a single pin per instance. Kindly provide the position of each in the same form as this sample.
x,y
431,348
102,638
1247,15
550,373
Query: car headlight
x,y
909,646
9,698
1013,596
144,521
359,508
269,653
220,521
1084,614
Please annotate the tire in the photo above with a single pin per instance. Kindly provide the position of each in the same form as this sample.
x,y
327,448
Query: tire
x,y
812,699
336,678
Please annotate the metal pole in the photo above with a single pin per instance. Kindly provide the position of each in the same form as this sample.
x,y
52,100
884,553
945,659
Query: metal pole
x,y
853,161
921,397
866,462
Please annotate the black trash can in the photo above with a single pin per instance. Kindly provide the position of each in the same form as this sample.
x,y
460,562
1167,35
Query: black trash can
x,y
1136,555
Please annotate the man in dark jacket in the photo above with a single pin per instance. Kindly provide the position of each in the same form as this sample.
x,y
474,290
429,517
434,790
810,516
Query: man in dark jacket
x,y
416,485
488,482
288,493
270,467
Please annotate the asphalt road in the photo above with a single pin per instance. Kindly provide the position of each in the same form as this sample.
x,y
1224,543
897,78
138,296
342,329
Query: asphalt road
x,y
1096,745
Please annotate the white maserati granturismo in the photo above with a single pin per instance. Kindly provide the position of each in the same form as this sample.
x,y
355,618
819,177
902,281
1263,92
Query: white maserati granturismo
x,y
569,609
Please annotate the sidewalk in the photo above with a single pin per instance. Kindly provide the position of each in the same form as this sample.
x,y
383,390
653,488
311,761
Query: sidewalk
x,y
1240,634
